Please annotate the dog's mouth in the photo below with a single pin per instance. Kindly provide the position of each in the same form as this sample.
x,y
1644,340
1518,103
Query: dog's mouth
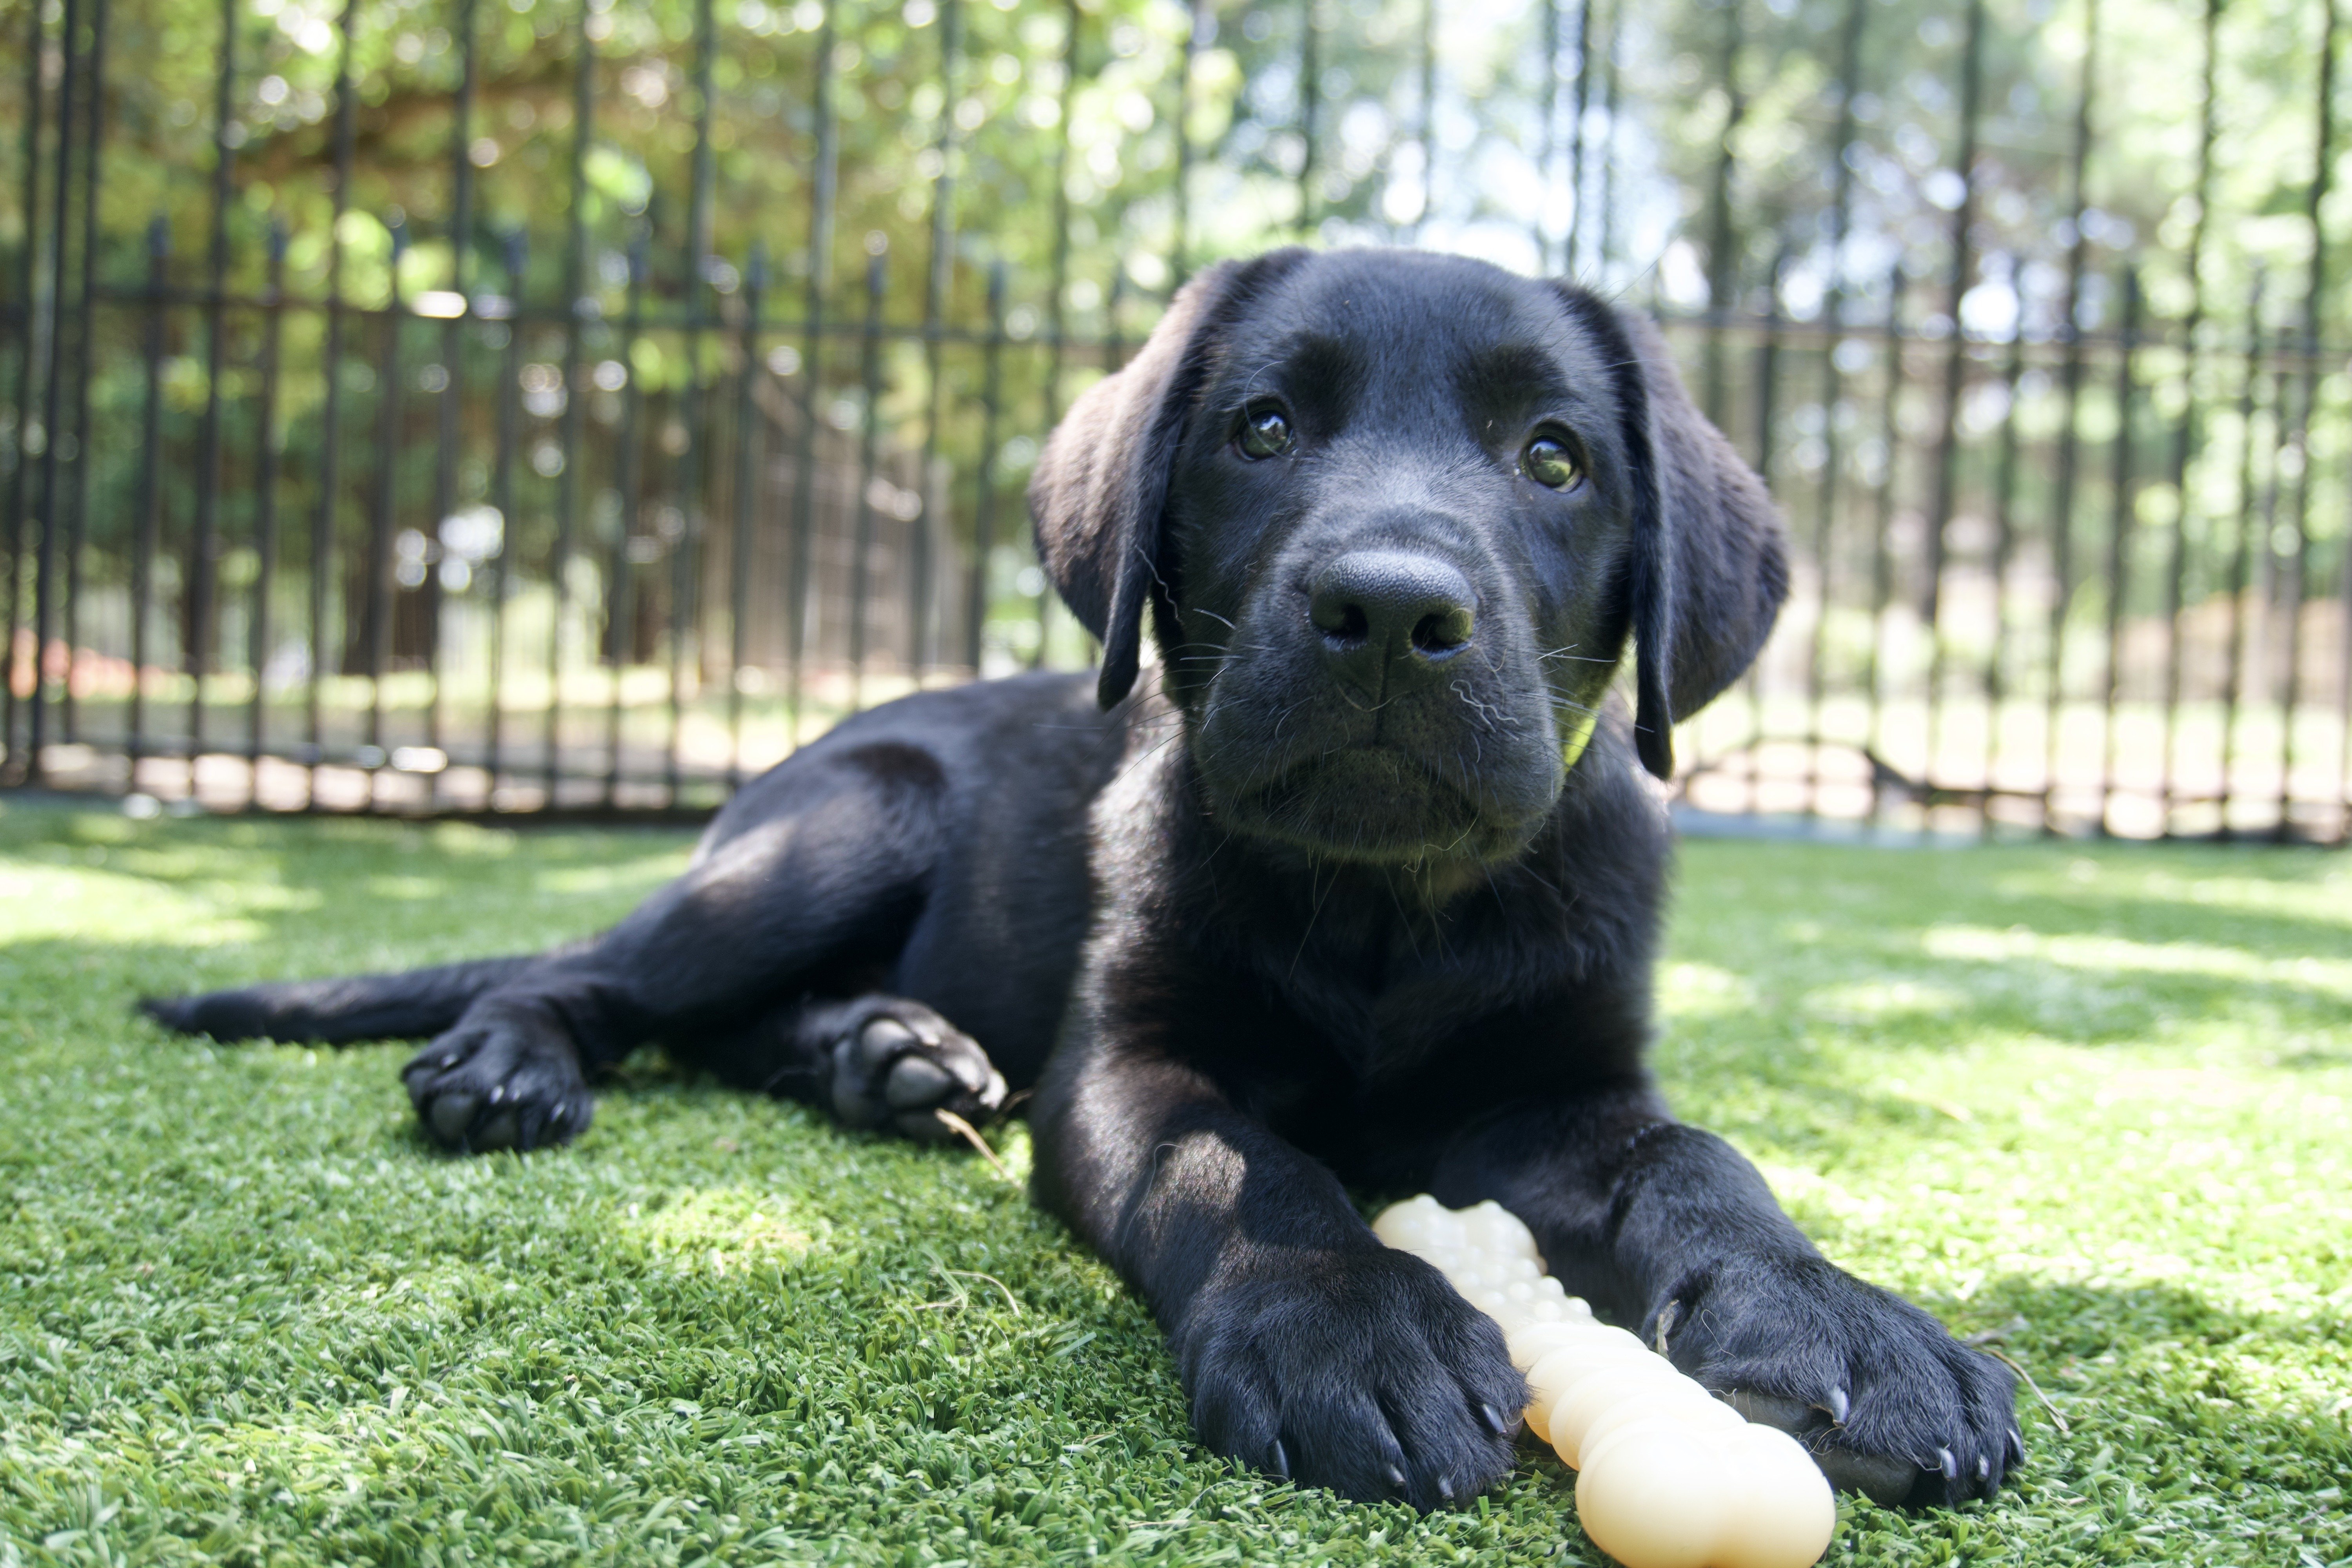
x,y
1374,804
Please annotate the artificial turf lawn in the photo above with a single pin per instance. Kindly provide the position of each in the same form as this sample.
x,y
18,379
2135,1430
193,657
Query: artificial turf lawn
x,y
2090,1101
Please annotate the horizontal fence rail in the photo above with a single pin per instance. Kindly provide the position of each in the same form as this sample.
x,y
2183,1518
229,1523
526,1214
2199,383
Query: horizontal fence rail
x,y
509,405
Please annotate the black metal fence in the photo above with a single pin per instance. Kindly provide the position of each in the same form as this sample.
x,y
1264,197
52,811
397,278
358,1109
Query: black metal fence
x,y
508,404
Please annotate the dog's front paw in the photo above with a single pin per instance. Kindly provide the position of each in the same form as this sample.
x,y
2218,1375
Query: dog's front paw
x,y
1363,1372
895,1062
1889,1404
507,1077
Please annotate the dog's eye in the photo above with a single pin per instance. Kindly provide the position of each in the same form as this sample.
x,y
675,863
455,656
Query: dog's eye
x,y
1548,461
1265,433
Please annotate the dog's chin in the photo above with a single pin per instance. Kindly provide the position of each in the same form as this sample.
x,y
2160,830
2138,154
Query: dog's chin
x,y
1374,806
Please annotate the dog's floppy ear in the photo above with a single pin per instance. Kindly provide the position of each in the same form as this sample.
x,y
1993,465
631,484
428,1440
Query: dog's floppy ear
x,y
1101,483
1709,566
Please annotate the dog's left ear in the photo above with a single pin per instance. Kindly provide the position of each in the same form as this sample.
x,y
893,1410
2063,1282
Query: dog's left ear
x,y
1101,483
1710,565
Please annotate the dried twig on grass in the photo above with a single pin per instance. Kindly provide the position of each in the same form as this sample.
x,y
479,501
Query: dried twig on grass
x,y
971,1135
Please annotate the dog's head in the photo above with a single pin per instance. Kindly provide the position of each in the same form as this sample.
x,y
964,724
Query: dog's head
x,y
1398,516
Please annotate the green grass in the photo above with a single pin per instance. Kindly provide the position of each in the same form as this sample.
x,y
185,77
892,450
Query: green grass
x,y
2089,1100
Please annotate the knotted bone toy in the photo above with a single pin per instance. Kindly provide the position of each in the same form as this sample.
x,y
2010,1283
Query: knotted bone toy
x,y
1668,1475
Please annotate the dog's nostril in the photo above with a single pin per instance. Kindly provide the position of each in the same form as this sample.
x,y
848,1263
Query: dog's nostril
x,y
1442,631
1342,622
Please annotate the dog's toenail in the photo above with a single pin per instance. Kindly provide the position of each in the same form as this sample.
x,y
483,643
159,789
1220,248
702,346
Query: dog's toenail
x,y
1396,1477
1278,1461
1494,1419
1839,1407
1446,1488
1984,1468
1949,1463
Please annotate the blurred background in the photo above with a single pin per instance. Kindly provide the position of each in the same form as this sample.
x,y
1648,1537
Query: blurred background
x,y
560,405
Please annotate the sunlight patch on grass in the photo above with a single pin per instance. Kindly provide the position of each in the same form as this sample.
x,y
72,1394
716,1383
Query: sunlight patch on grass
x,y
719,1228
1701,990
1859,1001
44,904
2121,955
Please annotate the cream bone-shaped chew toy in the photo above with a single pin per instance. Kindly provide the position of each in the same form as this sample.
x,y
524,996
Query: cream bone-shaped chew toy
x,y
1668,1475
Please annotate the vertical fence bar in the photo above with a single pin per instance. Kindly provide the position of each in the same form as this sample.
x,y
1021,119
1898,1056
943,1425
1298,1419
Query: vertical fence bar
x,y
692,472
2187,431
150,493
1825,504
202,565
1607,203
869,437
1722,258
739,585
52,406
620,583
2296,562
1768,391
1425,135
268,450
331,409
451,397
1056,319
1310,108
1178,257
2242,554
983,522
1881,557
27,288
2344,687
58,445
937,276
577,307
516,254
380,585
2120,522
85,342
2062,509
2004,553
1548,146
1956,364
803,588
1578,107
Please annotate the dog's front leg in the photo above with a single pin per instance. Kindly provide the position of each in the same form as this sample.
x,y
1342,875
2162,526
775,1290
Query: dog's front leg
x,y
1306,1347
1670,1231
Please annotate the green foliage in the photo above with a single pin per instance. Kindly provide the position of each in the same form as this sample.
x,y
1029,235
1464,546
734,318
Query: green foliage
x,y
2088,1102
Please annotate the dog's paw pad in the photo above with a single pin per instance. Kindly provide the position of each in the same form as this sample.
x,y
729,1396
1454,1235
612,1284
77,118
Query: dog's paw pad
x,y
1890,1404
1368,1375
901,1063
498,1085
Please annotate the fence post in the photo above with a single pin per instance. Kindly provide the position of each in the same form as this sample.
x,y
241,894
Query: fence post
x,y
27,283
739,586
268,448
801,587
151,494
331,420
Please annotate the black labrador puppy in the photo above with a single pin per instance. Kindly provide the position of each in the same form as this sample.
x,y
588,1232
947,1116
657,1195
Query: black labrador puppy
x,y
1359,888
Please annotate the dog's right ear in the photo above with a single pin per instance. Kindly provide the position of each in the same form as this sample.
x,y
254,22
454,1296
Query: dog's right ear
x,y
1709,566
1101,484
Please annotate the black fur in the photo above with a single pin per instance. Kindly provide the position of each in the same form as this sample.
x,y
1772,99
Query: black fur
x,y
1337,897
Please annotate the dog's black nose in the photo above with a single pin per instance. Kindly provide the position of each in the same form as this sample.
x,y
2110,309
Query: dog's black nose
x,y
1379,607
